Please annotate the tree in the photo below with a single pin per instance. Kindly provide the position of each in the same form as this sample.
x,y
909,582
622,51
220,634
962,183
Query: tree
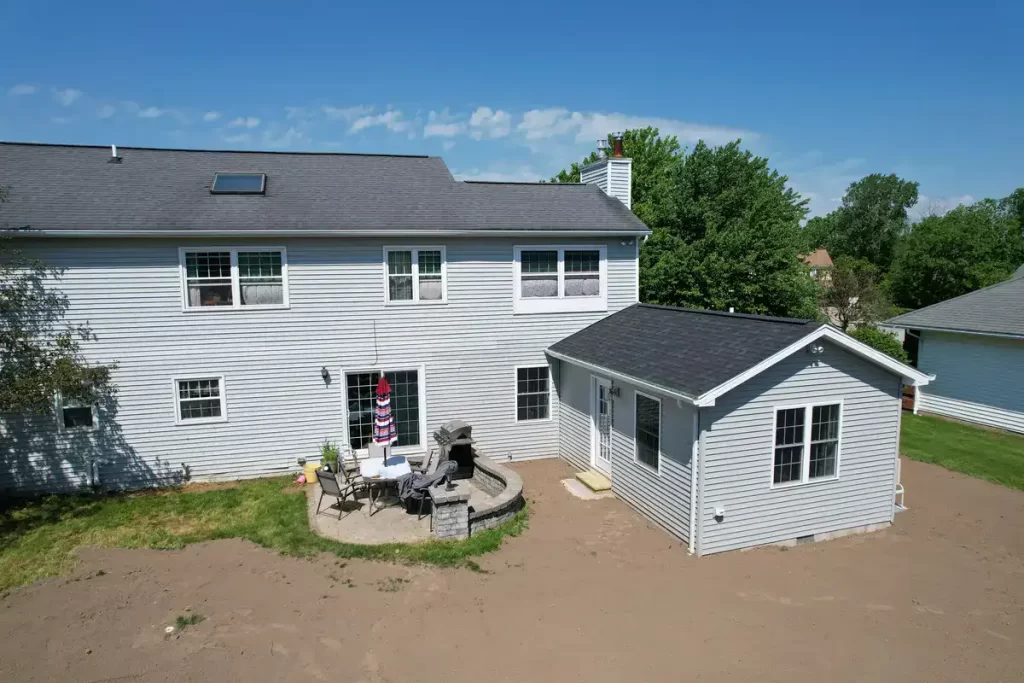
x,y
870,221
852,294
40,354
883,341
946,256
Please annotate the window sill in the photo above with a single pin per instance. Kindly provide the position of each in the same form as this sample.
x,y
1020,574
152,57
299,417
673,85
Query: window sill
x,y
422,302
536,419
801,484
656,471
200,421
578,304
206,310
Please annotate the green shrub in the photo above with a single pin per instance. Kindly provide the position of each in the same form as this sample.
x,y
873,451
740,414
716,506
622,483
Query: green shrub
x,y
883,341
329,455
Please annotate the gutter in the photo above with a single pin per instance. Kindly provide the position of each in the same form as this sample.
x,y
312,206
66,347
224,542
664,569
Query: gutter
x,y
953,330
650,386
27,231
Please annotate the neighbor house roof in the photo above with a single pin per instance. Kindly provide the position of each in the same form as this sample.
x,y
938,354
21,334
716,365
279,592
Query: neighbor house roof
x,y
699,355
995,310
77,189
818,258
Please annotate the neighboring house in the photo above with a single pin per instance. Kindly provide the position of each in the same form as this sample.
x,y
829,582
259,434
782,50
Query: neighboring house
x,y
252,299
734,430
820,263
974,344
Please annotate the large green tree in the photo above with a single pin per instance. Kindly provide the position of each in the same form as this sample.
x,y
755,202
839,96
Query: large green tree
x,y
966,249
40,353
725,227
869,222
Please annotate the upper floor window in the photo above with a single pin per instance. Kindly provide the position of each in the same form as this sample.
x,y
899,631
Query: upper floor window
x,y
560,279
416,274
225,277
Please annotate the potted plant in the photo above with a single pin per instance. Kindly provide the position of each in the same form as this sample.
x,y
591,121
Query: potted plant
x,y
329,456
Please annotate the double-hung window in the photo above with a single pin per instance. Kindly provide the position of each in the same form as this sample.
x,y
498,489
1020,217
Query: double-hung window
x,y
560,279
200,399
227,277
415,274
533,393
648,431
806,442
406,406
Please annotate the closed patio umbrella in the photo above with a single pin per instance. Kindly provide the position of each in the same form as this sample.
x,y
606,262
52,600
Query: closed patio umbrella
x,y
384,431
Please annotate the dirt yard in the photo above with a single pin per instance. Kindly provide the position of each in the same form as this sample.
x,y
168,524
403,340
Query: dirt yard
x,y
590,592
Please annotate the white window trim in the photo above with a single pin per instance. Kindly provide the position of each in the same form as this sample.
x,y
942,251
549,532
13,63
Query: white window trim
x,y
200,420
805,462
423,446
236,290
416,301
636,428
515,389
59,405
560,303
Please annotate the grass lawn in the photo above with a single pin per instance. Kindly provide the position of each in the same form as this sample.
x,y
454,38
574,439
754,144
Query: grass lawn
x,y
38,539
985,453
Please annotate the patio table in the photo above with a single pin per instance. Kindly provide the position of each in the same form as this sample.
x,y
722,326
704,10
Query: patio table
x,y
379,476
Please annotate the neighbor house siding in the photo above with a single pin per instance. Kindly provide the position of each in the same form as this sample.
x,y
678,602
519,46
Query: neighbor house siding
x,y
978,379
738,453
279,408
663,497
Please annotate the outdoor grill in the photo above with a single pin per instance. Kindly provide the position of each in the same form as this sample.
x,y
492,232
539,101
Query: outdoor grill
x,y
455,442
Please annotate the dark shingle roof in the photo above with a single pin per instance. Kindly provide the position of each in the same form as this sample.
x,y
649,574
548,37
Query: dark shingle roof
x,y
685,350
998,309
61,187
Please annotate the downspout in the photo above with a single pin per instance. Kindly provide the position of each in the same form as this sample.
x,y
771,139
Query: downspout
x,y
694,459
698,514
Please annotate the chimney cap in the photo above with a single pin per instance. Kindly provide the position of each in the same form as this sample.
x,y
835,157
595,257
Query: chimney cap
x,y
617,150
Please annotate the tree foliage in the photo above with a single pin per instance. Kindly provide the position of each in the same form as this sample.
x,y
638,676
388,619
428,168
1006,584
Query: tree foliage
x,y
966,249
725,227
883,341
40,353
853,294
869,222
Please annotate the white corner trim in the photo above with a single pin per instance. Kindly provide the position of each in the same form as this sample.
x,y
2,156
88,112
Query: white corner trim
x,y
912,375
694,457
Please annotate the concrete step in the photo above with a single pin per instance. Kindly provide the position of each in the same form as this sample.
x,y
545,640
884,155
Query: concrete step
x,y
595,481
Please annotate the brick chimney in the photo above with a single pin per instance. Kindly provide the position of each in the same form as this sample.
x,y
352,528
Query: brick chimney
x,y
613,174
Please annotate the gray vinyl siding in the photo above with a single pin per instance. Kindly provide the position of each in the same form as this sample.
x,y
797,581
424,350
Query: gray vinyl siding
x,y
663,497
738,453
978,379
279,408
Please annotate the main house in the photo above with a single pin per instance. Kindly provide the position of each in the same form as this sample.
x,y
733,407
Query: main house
x,y
251,300
974,344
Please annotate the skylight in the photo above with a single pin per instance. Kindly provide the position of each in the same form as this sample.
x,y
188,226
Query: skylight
x,y
238,183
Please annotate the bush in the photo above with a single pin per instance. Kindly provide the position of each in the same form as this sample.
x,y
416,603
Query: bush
x,y
883,341
329,454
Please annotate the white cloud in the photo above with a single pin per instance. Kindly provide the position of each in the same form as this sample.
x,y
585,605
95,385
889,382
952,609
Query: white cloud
x,y
67,96
501,174
822,184
542,124
245,122
291,137
938,206
106,111
151,113
448,144
211,116
391,119
486,123
235,139
346,113
22,89
443,124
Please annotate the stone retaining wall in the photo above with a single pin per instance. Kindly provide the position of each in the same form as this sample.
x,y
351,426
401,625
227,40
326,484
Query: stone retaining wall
x,y
506,489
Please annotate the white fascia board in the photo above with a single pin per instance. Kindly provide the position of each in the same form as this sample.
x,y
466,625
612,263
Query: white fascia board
x,y
953,330
382,234
643,384
911,375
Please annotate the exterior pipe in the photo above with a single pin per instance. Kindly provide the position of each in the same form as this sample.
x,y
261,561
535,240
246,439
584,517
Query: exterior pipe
x,y
693,476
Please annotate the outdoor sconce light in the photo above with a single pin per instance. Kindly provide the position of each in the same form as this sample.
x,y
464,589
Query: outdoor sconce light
x,y
614,390
816,349
325,374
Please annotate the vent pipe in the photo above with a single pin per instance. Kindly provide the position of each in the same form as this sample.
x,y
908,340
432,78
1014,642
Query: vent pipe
x,y
114,159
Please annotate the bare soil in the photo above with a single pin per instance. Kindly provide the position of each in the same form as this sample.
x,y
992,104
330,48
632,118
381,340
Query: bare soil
x,y
591,592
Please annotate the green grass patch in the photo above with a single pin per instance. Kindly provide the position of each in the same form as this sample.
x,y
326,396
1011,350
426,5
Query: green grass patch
x,y
983,453
38,539
183,622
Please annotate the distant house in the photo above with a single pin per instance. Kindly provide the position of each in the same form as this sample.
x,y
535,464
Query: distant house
x,y
820,263
733,430
975,345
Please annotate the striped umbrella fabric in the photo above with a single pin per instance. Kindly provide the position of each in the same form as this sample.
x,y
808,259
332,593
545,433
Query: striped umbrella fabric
x,y
384,422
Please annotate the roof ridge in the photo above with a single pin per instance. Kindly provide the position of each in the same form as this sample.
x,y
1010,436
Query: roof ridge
x,y
218,151
727,314
519,182
1008,281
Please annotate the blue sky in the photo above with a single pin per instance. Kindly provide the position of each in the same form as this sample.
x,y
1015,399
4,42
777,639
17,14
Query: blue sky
x,y
512,91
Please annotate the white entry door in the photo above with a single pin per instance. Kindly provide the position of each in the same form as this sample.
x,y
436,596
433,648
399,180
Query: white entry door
x,y
601,425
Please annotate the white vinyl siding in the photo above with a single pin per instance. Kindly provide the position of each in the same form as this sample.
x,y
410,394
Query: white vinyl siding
x,y
977,379
739,453
281,408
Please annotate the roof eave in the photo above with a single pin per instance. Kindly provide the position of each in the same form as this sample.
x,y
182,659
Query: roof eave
x,y
626,232
951,330
614,374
